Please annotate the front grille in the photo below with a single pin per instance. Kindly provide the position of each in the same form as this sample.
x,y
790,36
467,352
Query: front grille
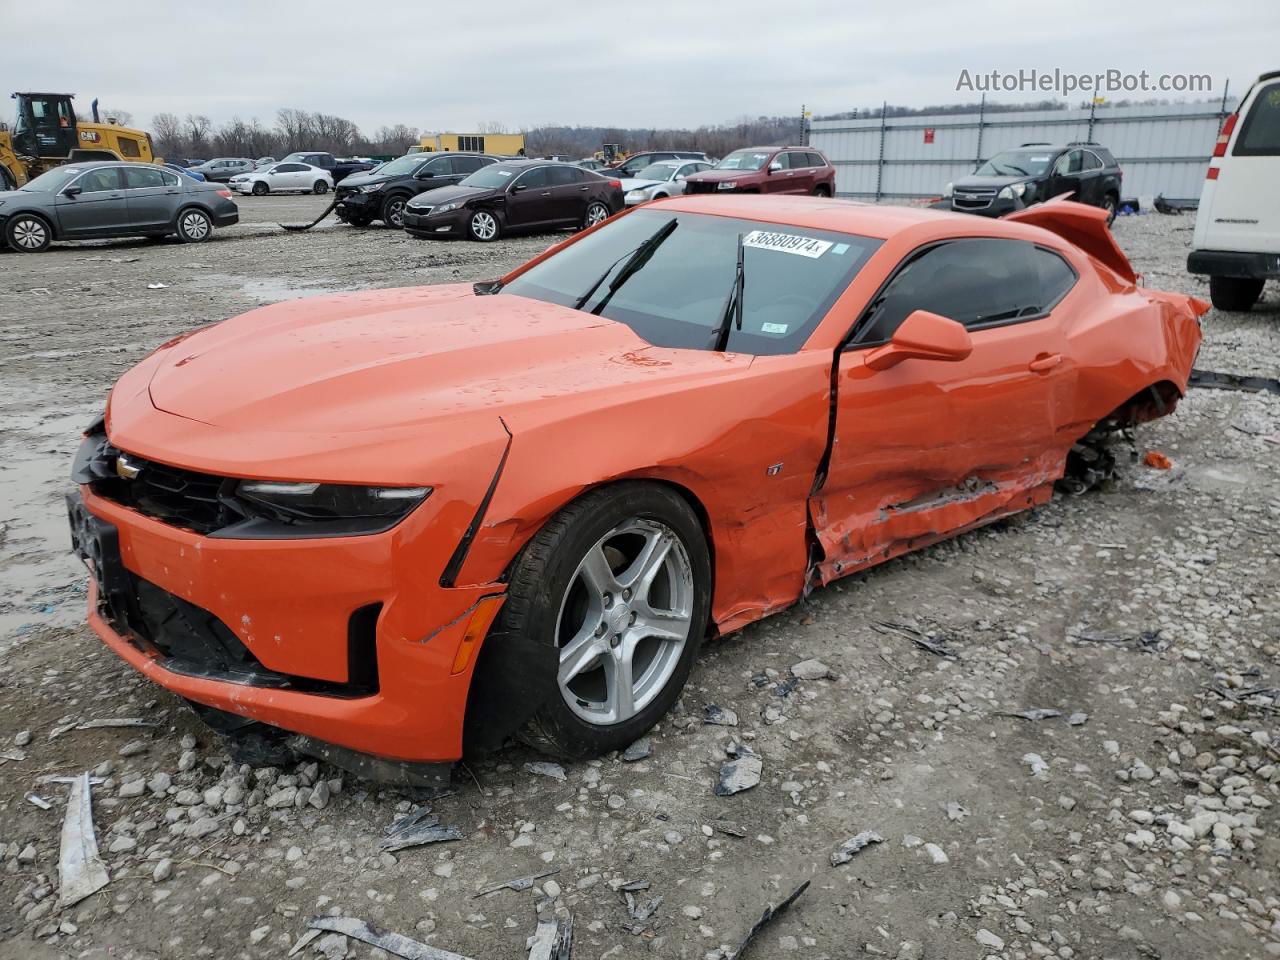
x,y
200,502
700,186
973,199
418,211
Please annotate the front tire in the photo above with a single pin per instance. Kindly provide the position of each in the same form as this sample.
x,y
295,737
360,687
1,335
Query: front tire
x,y
597,212
319,187
1236,294
483,226
393,211
27,233
822,190
620,583
194,226
1110,203
260,189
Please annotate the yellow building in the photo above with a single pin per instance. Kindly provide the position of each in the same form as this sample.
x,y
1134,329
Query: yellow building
x,y
502,144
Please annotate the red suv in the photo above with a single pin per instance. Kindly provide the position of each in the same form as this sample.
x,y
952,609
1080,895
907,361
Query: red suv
x,y
768,170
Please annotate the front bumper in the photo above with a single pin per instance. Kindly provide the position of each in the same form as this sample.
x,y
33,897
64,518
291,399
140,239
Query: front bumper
x,y
425,226
290,605
997,207
354,201
1226,263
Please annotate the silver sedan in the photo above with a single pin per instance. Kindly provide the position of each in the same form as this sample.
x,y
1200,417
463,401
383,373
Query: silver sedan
x,y
662,179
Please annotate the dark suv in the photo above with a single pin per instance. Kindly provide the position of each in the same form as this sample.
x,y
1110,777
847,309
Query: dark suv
x,y
381,194
768,170
1035,172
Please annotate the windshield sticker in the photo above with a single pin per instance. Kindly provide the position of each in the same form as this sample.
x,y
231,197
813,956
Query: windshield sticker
x,y
810,247
1039,159
503,173
840,248
774,327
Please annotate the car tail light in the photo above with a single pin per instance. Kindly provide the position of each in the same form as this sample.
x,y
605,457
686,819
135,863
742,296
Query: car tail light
x,y
224,193
1212,173
616,183
1224,135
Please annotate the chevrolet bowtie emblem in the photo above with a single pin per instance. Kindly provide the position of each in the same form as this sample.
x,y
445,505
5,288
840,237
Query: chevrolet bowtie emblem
x,y
126,469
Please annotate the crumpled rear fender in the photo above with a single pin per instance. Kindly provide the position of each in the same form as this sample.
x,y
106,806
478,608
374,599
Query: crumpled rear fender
x,y
1082,225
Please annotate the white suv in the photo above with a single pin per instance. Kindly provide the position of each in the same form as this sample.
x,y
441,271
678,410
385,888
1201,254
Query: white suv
x,y
1237,238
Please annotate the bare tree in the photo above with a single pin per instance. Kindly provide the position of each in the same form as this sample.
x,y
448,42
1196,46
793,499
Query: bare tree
x,y
197,127
492,126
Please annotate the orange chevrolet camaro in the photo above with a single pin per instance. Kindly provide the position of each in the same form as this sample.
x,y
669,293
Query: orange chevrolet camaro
x,y
386,527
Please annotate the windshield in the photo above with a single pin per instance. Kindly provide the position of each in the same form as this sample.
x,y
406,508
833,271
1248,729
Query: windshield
x,y
53,180
744,160
401,166
656,171
493,177
1016,163
677,296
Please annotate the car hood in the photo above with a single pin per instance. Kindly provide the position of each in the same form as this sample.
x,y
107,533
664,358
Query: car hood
x,y
363,179
391,358
988,182
713,176
636,184
441,195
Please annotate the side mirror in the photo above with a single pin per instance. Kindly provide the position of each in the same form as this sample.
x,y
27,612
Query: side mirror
x,y
680,176
519,188
775,167
923,336
72,191
425,175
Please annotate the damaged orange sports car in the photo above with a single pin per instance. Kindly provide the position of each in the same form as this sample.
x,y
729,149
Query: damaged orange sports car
x,y
390,526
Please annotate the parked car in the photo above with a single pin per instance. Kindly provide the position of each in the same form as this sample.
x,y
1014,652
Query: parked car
x,y
590,163
222,169
768,170
514,196
1237,235
83,201
381,193
1036,172
280,508
631,167
284,177
264,161
338,169
662,179
193,174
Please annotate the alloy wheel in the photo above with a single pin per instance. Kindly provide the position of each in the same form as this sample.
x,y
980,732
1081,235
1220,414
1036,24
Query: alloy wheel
x,y
30,234
195,226
484,226
597,213
395,213
624,620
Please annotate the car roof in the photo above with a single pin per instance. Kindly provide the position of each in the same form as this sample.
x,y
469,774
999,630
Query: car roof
x,y
842,216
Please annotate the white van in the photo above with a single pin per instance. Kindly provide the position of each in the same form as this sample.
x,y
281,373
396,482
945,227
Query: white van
x,y
1237,238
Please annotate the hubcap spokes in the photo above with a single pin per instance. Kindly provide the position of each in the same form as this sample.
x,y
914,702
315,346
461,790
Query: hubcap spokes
x,y
29,234
195,226
597,215
485,226
624,621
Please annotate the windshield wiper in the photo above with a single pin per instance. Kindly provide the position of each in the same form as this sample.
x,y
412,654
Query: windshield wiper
x,y
733,304
635,260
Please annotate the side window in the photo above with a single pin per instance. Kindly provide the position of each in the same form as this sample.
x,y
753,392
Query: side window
x,y
1090,161
815,160
129,147
1069,162
977,282
1260,135
138,177
798,160
468,164
563,176
170,179
533,178
782,162
440,167
99,181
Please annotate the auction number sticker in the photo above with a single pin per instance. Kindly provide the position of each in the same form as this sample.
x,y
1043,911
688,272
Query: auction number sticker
x,y
810,247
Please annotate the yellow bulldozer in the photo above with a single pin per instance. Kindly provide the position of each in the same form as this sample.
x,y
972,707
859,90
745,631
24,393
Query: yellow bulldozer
x,y
47,134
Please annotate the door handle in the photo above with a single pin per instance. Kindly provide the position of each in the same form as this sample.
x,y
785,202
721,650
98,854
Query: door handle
x,y
545,193
584,189
1044,364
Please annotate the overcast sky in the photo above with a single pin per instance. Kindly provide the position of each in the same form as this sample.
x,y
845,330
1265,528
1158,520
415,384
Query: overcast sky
x,y
610,62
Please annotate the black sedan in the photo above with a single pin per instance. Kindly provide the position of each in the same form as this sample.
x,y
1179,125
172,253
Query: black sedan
x,y
381,194
514,196
83,201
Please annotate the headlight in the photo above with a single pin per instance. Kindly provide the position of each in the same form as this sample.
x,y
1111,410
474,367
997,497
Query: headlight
x,y
313,502
725,185
948,190
636,196
1013,190
371,188
446,207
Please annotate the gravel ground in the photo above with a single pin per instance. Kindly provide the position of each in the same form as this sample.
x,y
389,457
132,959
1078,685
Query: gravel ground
x,y
1137,822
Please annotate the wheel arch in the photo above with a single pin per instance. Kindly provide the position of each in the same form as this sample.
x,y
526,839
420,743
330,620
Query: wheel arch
x,y
48,221
191,205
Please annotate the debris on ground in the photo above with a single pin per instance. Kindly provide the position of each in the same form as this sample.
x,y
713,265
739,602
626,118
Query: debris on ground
x,y
11,753
1039,769
729,828
401,946
845,852
416,830
920,639
638,750
765,919
304,941
956,811
812,670
719,716
545,768
1036,713
38,801
1233,381
81,872
1157,460
638,910
1078,719
553,940
739,774
113,722
518,884
157,286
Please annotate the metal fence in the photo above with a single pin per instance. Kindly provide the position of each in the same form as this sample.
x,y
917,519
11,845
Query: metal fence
x,y
1162,149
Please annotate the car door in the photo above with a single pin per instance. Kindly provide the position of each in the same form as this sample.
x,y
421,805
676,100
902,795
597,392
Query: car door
x,y
98,208
1067,175
569,194
152,196
799,174
439,172
1091,178
529,199
776,179
929,447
